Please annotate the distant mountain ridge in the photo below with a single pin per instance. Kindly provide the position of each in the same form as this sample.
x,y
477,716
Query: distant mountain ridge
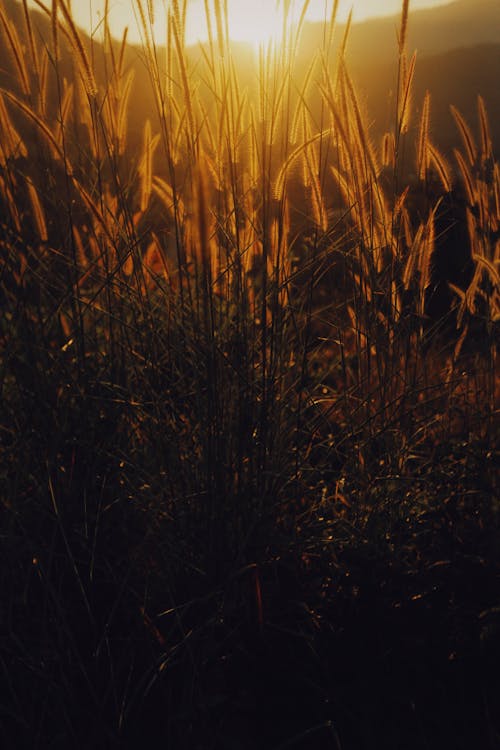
x,y
459,24
455,77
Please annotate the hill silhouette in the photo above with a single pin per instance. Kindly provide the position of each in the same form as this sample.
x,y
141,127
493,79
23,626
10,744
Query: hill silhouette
x,y
431,31
453,77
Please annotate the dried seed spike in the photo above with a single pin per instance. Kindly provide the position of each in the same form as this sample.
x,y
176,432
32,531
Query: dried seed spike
x,y
181,58
333,20
466,177
146,168
31,38
121,57
363,137
440,165
467,137
11,143
403,31
486,145
41,125
388,150
405,99
76,41
428,246
55,29
423,137
496,191
17,52
44,77
345,38
122,111
38,212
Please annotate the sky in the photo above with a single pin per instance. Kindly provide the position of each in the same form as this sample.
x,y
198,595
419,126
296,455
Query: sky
x,y
249,20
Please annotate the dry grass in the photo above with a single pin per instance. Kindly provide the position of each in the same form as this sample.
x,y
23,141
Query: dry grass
x,y
219,342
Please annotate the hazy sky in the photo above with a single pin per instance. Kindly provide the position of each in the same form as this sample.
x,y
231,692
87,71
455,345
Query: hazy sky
x,y
250,20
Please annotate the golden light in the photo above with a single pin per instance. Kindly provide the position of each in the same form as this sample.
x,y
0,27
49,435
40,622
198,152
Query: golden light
x,y
255,22
259,22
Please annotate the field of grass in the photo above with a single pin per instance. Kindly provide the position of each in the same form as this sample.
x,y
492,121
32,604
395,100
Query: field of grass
x,y
248,448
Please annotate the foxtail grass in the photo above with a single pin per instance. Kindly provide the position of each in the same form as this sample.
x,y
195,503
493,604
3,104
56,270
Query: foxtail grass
x,y
218,338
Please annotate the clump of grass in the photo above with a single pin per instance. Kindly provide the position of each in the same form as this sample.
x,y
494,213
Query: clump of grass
x,y
217,356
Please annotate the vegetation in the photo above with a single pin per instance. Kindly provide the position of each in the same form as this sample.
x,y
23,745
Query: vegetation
x,y
247,443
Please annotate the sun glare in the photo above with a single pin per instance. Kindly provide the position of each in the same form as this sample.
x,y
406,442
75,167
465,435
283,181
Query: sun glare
x,y
255,22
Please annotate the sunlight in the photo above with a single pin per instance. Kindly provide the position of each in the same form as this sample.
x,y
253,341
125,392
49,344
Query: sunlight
x,y
257,23
252,21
